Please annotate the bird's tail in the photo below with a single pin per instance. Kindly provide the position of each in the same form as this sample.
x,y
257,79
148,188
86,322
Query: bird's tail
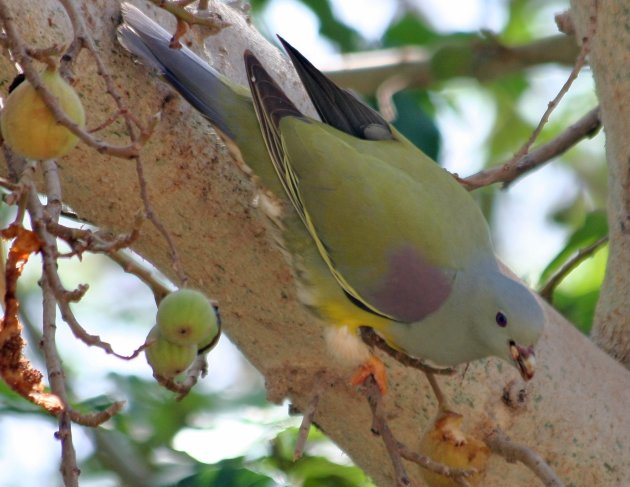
x,y
202,86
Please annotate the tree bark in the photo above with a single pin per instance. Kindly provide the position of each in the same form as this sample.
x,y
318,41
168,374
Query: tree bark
x,y
611,72
575,410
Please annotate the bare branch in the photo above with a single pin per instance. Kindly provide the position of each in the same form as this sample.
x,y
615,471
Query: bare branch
x,y
305,425
198,369
211,20
83,38
93,420
380,427
577,67
81,240
508,172
152,217
129,265
69,468
501,444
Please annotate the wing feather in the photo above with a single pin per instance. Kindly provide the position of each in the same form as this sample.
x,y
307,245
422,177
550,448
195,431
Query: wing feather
x,y
272,105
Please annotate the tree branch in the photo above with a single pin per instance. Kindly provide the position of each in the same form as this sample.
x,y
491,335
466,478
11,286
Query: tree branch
x,y
508,172
227,250
483,59
611,325
501,444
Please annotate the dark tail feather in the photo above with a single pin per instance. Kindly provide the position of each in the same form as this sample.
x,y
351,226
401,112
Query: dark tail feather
x,y
272,105
270,100
336,106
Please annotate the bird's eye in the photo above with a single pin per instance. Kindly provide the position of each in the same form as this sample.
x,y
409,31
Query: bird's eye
x,y
501,319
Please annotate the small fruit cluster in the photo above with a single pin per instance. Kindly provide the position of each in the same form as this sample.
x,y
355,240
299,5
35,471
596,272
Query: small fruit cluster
x,y
186,324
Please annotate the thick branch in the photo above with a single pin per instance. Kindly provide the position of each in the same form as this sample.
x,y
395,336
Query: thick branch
x,y
611,329
227,250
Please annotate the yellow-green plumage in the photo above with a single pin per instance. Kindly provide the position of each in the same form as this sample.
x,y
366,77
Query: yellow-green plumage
x,y
338,174
381,236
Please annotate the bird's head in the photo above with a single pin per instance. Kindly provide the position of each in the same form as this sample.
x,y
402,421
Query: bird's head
x,y
508,322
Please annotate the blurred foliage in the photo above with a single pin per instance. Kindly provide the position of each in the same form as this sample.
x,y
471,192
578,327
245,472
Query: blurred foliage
x,y
145,434
577,295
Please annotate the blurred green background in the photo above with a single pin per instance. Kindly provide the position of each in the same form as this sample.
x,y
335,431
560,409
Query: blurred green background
x,y
224,433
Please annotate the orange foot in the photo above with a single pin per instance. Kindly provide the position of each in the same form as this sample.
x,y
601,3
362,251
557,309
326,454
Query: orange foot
x,y
371,367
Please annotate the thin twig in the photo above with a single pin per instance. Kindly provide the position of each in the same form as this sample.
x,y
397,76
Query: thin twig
x,y
439,395
5,183
547,291
380,427
577,67
81,239
157,223
20,195
305,425
457,474
397,450
93,420
69,468
62,301
81,31
385,95
501,444
129,264
509,171
211,20
198,369
83,38
371,338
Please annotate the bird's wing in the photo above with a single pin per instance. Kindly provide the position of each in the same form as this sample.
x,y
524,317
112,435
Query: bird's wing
x,y
337,107
392,242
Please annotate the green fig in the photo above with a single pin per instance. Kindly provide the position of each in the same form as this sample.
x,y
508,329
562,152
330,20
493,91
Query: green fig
x,y
168,359
186,317
209,342
30,128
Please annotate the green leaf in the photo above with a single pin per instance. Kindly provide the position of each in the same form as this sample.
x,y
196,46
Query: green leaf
x,y
414,123
321,472
595,226
518,27
97,403
346,37
258,5
579,310
12,402
409,29
227,473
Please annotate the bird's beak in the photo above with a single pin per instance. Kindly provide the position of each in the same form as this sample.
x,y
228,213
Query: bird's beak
x,y
524,358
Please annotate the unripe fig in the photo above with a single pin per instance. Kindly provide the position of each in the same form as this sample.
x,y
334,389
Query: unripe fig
x,y
168,359
30,128
445,443
186,317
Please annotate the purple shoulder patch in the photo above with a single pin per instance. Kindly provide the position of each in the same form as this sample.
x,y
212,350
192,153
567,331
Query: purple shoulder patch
x,y
412,288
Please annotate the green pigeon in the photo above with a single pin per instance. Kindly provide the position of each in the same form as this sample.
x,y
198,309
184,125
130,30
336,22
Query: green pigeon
x,y
379,235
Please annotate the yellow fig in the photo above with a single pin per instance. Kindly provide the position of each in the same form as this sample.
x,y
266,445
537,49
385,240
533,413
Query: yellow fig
x,y
444,442
30,128
187,317
168,359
